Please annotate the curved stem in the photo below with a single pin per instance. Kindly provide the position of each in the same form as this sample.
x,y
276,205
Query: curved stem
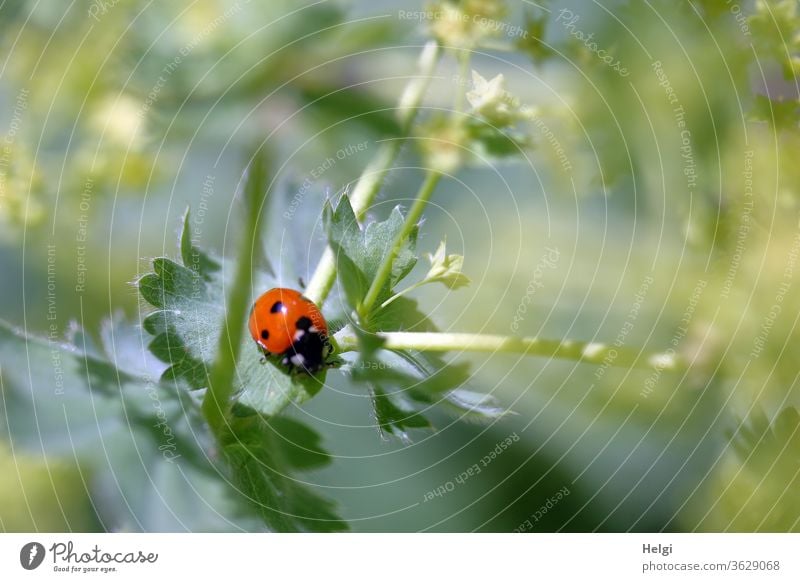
x,y
374,174
415,212
216,402
414,215
408,289
587,352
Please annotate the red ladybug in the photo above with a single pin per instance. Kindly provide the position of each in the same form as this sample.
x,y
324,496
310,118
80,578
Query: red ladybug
x,y
284,322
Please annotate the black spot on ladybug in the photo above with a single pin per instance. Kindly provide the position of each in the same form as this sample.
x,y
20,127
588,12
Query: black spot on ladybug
x,y
303,323
276,307
264,334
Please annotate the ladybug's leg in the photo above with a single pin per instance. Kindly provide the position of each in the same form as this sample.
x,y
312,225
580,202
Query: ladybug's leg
x,y
286,361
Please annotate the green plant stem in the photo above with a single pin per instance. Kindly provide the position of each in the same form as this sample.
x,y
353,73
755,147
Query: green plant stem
x,y
217,400
415,212
432,178
408,289
587,352
375,173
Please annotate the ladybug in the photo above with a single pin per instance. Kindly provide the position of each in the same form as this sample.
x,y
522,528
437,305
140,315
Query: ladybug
x,y
285,323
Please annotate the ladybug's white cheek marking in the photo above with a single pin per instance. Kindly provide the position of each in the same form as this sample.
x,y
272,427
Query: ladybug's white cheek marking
x,y
313,329
297,360
298,334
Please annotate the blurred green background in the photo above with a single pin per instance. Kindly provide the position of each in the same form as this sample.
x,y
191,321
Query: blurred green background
x,y
117,115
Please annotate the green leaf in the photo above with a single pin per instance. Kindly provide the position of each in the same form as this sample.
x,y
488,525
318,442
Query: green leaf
x,y
378,241
359,253
154,473
444,385
299,444
343,229
393,419
39,412
426,378
477,406
353,280
419,378
142,443
192,306
197,260
402,314
374,369
186,328
441,381
260,453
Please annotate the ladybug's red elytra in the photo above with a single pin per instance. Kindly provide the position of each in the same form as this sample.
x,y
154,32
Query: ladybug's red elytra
x,y
285,323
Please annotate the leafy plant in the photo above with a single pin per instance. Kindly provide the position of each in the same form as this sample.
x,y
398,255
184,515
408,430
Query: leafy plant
x,y
199,332
186,405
